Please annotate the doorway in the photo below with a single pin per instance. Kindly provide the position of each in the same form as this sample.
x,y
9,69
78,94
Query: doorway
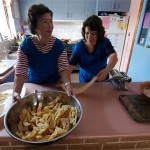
x,y
139,68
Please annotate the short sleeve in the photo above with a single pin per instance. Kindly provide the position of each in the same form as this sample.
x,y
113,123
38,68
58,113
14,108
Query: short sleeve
x,y
59,46
109,49
73,60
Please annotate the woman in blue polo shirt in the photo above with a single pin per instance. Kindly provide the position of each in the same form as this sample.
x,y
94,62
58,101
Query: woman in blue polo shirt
x,y
94,54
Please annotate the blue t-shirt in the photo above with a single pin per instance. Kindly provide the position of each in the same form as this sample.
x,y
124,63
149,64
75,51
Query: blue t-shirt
x,y
91,63
42,67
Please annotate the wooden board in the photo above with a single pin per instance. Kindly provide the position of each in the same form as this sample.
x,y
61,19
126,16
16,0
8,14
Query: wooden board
x,y
137,107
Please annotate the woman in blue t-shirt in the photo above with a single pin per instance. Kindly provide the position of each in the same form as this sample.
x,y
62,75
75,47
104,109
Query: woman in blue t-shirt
x,y
94,54
41,58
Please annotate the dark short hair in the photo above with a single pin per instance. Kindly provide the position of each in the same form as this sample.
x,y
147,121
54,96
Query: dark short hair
x,y
34,13
95,24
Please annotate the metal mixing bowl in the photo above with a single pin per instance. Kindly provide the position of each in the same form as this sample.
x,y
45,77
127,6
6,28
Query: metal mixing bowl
x,y
11,118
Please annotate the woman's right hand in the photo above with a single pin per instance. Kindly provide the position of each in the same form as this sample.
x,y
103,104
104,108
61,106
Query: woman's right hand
x,y
69,89
16,97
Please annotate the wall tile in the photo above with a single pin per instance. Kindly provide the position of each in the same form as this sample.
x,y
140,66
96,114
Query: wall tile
x,y
143,145
135,138
50,147
4,143
17,143
68,30
85,147
16,148
70,141
115,146
102,140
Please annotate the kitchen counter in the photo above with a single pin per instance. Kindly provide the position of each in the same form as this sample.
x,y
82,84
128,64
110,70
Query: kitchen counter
x,y
105,123
9,65
9,74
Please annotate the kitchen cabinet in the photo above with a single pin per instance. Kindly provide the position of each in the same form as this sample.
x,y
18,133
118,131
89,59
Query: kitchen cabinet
x,y
62,9
90,8
76,9
68,9
25,4
48,3
114,5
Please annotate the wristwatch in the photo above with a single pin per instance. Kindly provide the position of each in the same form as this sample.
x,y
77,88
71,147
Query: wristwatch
x,y
66,84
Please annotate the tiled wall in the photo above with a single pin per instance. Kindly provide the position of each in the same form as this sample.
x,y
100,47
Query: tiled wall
x,y
66,29
101,143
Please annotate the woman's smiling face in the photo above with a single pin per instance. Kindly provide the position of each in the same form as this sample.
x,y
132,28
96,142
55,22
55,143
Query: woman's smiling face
x,y
44,25
90,36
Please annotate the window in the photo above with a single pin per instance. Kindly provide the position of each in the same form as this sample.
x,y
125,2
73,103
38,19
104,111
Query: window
x,y
7,26
4,30
145,25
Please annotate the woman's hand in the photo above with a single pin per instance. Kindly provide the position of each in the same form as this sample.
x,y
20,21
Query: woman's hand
x,y
16,97
69,89
18,84
102,75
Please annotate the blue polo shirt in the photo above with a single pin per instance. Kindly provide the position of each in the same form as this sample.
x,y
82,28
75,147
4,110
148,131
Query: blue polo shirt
x,y
91,63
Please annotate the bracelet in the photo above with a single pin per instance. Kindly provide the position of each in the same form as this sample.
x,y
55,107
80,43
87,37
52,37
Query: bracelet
x,y
67,83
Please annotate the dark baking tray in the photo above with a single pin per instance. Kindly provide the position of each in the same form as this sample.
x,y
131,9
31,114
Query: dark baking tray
x,y
137,107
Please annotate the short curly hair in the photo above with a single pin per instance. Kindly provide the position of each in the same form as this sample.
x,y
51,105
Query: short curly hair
x,y
95,24
34,13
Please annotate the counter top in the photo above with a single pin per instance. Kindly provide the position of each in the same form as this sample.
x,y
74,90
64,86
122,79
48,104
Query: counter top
x,y
10,64
7,74
103,113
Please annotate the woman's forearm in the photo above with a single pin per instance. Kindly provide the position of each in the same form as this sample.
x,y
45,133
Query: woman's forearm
x,y
18,83
112,61
65,76
66,79
71,68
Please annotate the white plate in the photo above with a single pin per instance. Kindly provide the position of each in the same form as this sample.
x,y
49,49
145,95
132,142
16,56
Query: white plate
x,y
8,88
